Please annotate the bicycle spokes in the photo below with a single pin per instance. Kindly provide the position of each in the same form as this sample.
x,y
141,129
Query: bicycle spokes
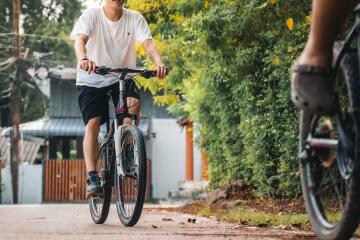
x,y
326,156
128,182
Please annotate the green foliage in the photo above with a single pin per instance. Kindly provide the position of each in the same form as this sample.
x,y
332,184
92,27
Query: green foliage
x,y
230,63
46,26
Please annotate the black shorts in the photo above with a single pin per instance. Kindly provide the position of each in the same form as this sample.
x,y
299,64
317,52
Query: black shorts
x,y
93,102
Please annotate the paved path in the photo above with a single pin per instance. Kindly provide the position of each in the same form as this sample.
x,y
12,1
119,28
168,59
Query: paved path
x,y
72,221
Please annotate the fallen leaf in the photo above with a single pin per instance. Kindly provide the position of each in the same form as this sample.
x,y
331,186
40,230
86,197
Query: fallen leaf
x,y
296,225
237,227
243,222
262,225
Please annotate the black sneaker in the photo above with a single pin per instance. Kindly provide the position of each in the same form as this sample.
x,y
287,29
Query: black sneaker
x,y
93,188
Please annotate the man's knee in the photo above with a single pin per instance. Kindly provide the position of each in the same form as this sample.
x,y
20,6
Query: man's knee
x,y
93,127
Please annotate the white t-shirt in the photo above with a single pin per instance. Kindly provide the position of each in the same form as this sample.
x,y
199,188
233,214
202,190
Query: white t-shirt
x,y
110,44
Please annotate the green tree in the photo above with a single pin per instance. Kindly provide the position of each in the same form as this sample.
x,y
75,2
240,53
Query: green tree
x,y
46,26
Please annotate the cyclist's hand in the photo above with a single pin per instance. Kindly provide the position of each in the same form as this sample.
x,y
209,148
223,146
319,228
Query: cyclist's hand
x,y
88,66
161,71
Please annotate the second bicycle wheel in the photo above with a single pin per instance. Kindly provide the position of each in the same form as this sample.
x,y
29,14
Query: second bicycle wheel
x,y
330,174
100,205
130,186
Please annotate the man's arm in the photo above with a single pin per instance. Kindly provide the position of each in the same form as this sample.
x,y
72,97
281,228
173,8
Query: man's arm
x,y
154,54
80,51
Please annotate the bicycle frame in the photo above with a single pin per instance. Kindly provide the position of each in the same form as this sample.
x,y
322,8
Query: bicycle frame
x,y
116,127
346,44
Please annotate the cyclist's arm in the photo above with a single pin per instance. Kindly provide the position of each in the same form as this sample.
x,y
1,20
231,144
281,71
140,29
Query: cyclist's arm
x,y
80,51
155,56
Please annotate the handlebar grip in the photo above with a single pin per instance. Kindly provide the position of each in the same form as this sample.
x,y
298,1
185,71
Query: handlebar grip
x,y
102,70
148,74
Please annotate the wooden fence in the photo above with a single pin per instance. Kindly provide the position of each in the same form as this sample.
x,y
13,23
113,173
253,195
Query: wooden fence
x,y
65,180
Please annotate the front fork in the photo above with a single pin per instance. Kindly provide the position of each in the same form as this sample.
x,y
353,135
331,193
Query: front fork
x,y
117,137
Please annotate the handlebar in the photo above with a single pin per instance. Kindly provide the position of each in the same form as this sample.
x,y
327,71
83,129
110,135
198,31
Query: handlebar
x,y
146,73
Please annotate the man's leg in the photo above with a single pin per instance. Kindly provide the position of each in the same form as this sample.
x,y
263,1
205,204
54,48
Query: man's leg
x,y
312,85
90,144
134,108
91,153
327,19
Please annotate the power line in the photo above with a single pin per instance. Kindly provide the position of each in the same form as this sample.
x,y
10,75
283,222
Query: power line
x,y
35,35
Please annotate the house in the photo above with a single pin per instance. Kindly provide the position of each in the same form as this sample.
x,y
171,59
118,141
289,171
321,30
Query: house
x,y
62,133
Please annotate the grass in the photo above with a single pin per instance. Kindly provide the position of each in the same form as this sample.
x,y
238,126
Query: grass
x,y
257,218
245,216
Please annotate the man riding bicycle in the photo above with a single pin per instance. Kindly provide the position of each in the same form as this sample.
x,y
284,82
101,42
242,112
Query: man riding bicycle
x,y
106,36
312,85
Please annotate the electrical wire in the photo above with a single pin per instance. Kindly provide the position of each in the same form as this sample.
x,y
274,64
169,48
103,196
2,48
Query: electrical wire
x,y
35,35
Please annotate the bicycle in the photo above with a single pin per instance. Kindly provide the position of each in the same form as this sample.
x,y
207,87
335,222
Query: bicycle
x,y
329,149
122,158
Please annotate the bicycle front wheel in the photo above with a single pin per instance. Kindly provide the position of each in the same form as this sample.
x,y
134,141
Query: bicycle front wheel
x,y
131,185
330,174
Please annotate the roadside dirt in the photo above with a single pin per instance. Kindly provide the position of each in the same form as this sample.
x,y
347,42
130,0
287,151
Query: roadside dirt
x,y
239,194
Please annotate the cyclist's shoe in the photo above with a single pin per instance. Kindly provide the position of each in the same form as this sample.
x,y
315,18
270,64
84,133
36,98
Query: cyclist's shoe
x,y
312,89
93,188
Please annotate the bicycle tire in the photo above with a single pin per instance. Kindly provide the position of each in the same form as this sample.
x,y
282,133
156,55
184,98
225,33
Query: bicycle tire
x,y
349,220
99,216
130,221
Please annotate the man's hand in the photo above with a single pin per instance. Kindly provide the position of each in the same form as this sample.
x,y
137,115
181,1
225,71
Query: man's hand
x,y
88,65
80,50
152,50
161,71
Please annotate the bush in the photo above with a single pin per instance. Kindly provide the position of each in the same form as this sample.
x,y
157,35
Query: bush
x,y
230,65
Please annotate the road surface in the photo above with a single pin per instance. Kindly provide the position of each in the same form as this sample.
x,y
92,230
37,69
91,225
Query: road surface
x,y
73,222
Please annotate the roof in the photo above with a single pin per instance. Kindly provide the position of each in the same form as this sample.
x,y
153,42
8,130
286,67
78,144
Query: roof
x,y
71,127
27,148
63,73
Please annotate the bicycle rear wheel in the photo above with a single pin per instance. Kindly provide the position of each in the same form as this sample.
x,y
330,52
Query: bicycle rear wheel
x,y
100,205
330,174
130,187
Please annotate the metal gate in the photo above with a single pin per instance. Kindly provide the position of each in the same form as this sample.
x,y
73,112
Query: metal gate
x,y
64,180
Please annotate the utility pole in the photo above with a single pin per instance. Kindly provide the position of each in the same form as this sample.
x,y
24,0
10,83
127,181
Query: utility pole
x,y
15,103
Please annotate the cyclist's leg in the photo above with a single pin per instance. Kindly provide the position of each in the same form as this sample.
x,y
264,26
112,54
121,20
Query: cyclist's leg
x,y
134,108
132,100
327,19
90,144
91,153
312,85
94,107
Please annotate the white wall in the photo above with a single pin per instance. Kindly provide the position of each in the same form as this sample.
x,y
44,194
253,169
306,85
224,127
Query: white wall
x,y
6,193
31,180
30,184
167,152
